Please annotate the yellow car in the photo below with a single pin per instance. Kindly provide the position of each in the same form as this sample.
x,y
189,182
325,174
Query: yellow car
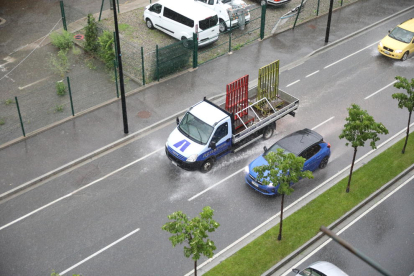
x,y
399,43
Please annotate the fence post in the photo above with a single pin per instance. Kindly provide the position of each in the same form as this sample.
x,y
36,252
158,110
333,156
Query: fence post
x,y
300,8
156,57
70,96
62,11
143,69
20,116
342,1
229,36
116,79
100,13
317,9
263,20
195,50
116,50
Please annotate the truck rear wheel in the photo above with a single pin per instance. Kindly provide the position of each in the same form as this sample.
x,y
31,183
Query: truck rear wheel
x,y
207,165
268,132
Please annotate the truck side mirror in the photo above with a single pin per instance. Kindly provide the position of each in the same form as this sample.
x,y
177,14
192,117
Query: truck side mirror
x,y
295,270
265,148
213,145
177,120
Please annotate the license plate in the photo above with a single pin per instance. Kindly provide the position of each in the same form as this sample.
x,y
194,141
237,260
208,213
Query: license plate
x,y
175,164
255,183
387,52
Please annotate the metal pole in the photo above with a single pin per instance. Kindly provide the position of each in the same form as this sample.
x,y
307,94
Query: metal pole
x,y
62,11
329,22
20,116
116,48
143,69
116,80
300,8
117,2
121,73
317,9
70,96
354,251
195,48
229,36
157,69
263,20
100,13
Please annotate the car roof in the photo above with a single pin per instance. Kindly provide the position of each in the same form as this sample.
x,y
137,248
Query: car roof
x,y
300,140
189,8
408,25
327,269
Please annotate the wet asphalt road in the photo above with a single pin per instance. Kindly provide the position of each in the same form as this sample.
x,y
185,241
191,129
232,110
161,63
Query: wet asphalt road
x,y
105,207
385,235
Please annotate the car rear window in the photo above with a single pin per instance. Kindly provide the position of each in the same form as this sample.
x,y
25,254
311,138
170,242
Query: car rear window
x,y
208,22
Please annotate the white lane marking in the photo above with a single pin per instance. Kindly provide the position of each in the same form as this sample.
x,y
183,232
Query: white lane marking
x,y
33,83
380,90
99,252
349,225
292,83
323,122
211,187
80,189
294,203
312,74
350,55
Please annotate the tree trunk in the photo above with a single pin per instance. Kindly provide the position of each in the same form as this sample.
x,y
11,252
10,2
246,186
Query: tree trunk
x,y
352,168
281,219
195,268
408,132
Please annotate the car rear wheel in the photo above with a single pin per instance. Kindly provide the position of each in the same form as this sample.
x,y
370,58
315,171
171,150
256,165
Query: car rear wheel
x,y
207,165
268,132
324,162
149,24
405,56
184,40
222,26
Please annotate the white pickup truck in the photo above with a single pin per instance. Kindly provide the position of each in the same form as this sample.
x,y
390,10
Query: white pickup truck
x,y
228,9
209,131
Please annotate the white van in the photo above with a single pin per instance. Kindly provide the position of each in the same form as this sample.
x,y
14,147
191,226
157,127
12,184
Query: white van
x,y
182,18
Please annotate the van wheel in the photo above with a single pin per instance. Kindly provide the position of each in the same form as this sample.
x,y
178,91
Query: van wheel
x,y
149,24
184,40
222,26
207,165
405,56
268,132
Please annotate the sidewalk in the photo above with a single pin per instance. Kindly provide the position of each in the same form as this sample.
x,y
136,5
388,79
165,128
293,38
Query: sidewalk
x,y
36,158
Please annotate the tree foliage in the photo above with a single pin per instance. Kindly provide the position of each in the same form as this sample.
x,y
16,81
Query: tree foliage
x,y
193,232
360,127
281,171
61,40
405,100
91,35
107,50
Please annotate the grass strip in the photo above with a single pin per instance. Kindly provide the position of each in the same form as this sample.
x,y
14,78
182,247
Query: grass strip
x,y
265,251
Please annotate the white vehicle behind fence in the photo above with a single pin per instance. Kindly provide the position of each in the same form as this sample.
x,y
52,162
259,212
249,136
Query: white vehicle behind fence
x,y
181,18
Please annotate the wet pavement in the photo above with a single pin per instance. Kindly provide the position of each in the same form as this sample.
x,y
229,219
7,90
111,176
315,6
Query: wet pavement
x,y
32,159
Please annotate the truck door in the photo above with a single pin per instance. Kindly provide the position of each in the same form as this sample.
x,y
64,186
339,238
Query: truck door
x,y
221,138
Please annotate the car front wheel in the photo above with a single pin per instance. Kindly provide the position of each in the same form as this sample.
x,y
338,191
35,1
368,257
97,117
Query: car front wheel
x,y
405,56
324,162
149,24
222,26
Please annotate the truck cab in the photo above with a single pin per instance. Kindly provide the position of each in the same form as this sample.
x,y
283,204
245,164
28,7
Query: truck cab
x,y
203,135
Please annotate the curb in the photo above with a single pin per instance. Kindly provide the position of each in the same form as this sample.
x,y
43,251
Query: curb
x,y
320,235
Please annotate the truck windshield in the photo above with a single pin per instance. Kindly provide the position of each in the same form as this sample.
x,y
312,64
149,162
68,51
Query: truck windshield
x,y
195,129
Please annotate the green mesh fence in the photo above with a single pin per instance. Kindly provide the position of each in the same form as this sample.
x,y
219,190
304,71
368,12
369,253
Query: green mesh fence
x,y
173,58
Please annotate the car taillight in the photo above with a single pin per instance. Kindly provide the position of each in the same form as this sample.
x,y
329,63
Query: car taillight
x,y
329,145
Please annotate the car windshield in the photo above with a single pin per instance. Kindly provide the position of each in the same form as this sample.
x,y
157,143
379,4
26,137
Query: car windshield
x,y
274,149
401,35
195,129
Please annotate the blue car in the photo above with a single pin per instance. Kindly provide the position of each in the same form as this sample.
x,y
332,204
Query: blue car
x,y
305,143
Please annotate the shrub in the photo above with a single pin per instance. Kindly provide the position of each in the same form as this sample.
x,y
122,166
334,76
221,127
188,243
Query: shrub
x,y
8,102
91,35
60,63
107,51
59,108
60,88
62,40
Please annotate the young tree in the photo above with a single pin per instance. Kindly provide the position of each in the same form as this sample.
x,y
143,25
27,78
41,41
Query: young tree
x,y
359,128
405,100
91,35
194,232
282,169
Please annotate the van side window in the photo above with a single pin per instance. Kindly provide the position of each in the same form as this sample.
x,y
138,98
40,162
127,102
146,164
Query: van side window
x,y
156,8
208,22
211,2
178,17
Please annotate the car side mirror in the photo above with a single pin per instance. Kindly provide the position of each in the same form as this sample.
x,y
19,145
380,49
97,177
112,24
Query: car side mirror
x,y
389,31
213,145
177,121
295,270
265,148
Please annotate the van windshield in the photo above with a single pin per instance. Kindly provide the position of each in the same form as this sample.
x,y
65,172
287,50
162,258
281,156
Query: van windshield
x,y
195,129
208,22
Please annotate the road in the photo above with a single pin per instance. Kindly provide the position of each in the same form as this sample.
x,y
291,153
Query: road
x,y
105,217
383,233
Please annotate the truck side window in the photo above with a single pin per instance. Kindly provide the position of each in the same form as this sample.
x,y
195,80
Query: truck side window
x,y
221,132
156,8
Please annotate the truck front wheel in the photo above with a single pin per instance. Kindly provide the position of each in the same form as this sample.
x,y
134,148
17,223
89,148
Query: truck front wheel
x,y
207,165
268,132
